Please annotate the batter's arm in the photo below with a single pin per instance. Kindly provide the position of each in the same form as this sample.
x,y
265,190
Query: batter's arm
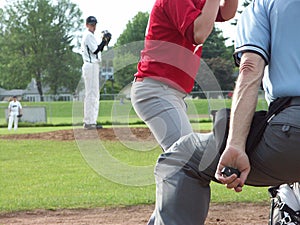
x,y
228,8
204,23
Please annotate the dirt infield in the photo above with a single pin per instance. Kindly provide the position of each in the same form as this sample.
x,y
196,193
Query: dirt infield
x,y
219,214
69,135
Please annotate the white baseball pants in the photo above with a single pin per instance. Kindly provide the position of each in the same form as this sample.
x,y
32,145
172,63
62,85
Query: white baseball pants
x,y
13,119
90,74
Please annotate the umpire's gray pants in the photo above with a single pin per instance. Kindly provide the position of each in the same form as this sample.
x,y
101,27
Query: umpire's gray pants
x,y
163,109
184,172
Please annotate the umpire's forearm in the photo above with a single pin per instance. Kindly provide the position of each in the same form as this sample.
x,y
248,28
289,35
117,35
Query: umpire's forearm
x,y
245,99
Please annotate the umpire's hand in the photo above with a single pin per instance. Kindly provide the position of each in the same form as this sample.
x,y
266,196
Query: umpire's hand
x,y
235,158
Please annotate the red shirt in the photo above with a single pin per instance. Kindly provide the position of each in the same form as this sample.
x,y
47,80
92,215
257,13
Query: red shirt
x,y
169,53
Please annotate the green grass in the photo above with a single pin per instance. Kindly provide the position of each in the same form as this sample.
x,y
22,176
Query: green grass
x,y
220,194
39,174
53,175
61,113
50,175
32,130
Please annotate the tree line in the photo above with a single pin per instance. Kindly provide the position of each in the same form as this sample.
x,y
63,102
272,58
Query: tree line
x,y
38,40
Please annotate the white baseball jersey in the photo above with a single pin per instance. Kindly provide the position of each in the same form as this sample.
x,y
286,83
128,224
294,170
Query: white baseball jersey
x,y
88,47
14,107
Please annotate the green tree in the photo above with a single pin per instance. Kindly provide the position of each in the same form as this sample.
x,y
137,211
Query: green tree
x,y
223,71
218,58
215,46
36,42
135,29
128,47
125,62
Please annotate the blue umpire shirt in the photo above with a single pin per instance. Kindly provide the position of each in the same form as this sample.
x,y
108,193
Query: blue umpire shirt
x,y
271,28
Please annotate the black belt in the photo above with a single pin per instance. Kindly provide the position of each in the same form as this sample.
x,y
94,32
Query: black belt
x,y
295,101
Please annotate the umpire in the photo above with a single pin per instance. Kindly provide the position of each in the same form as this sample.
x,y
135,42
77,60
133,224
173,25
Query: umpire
x,y
91,55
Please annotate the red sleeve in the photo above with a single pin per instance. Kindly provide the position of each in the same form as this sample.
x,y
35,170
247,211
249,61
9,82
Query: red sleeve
x,y
189,34
219,17
182,13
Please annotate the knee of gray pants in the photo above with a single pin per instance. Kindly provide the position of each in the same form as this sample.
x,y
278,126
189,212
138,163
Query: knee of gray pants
x,y
181,200
196,151
183,175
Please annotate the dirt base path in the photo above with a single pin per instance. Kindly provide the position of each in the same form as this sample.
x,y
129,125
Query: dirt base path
x,y
219,214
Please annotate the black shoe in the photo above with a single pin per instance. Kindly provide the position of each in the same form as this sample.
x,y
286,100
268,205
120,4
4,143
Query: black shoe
x,y
89,126
92,126
98,126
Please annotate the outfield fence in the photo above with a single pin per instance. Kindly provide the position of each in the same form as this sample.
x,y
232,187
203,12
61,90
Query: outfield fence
x,y
200,104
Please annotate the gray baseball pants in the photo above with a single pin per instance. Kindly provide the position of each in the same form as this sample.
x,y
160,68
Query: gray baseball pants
x,y
163,109
183,173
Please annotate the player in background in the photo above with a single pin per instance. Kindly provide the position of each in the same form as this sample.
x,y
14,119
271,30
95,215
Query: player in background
x,y
91,55
14,112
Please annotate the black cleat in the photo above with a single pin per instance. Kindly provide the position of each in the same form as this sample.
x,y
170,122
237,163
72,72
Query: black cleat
x,y
92,126
89,126
98,126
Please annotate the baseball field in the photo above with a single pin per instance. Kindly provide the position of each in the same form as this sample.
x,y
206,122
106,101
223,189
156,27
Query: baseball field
x,y
48,178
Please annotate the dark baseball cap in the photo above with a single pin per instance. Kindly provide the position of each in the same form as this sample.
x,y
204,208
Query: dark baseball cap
x,y
91,20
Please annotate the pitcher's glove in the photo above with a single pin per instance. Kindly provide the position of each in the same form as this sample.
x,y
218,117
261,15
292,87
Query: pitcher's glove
x,y
106,36
20,115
